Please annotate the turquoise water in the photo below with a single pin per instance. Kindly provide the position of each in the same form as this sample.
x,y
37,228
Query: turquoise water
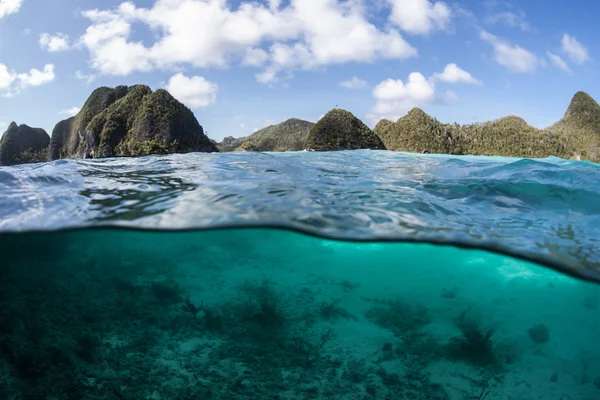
x,y
268,314
351,275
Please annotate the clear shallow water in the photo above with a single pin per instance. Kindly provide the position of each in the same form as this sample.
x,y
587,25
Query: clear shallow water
x,y
268,314
544,210
89,310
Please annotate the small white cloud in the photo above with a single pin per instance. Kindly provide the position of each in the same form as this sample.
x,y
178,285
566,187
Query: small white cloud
x,y
419,17
8,7
26,31
451,97
54,43
255,57
11,82
84,77
71,111
513,57
267,76
509,18
35,77
558,62
454,74
195,91
354,83
7,78
575,50
395,98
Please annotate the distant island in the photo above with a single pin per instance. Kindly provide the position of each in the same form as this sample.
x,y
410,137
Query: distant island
x,y
135,121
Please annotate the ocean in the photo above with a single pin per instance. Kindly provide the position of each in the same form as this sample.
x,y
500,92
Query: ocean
x,y
346,275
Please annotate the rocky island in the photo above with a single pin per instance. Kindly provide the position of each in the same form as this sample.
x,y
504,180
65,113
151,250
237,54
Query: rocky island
x,y
129,121
135,121
290,135
22,144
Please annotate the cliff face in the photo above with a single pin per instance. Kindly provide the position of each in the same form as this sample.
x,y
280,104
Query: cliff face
x,y
129,121
23,144
341,130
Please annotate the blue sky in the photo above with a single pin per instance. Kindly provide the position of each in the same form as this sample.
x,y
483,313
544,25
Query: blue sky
x,y
243,65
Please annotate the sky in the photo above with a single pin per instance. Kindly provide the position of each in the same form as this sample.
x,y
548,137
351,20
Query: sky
x,y
241,66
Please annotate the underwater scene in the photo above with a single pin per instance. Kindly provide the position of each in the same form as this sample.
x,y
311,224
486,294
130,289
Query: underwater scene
x,y
343,275
275,314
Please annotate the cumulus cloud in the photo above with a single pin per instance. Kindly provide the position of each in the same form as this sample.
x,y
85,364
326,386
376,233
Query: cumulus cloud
x,y
8,7
35,77
454,74
71,111
255,57
574,50
6,77
512,57
419,17
303,34
394,97
354,83
54,43
558,62
195,91
11,82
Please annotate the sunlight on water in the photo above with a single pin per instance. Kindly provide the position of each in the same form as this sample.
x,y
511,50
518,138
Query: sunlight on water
x,y
268,314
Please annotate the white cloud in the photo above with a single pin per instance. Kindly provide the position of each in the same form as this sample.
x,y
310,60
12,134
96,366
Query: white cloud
x,y
513,57
304,34
255,57
558,62
11,82
195,92
71,111
35,77
6,77
454,74
419,17
451,97
54,43
8,7
512,19
394,98
354,83
85,77
575,50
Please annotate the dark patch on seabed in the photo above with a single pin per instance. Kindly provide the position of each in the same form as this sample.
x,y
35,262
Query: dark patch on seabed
x,y
268,314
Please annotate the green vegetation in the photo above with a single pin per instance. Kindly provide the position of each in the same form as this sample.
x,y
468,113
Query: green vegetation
x,y
289,135
415,132
341,130
129,121
577,135
23,144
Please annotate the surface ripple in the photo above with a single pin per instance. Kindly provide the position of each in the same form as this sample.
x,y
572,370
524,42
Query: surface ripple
x,y
543,210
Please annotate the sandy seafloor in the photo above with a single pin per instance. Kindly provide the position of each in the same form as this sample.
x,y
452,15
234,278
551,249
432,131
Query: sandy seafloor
x,y
103,315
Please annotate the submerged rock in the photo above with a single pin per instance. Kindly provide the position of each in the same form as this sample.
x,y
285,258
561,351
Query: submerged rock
x,y
129,121
341,130
23,144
